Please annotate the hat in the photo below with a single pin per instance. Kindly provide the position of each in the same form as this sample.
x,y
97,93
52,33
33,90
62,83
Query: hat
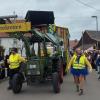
x,y
15,50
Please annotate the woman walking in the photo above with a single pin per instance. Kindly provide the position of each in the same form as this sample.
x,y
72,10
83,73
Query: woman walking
x,y
78,67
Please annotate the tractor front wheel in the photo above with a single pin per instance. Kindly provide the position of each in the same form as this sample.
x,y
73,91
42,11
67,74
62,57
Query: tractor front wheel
x,y
17,83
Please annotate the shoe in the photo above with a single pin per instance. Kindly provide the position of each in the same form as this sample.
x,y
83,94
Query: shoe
x,y
9,88
81,92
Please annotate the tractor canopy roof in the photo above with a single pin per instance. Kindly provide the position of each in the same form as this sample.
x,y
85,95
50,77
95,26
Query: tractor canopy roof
x,y
47,37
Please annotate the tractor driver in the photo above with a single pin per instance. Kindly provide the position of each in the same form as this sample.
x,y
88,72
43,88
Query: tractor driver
x,y
14,64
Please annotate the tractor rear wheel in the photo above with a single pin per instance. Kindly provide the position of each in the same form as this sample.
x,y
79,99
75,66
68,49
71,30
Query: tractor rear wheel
x,y
56,82
61,74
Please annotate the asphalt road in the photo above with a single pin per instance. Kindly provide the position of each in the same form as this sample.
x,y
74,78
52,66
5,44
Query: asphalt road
x,y
44,91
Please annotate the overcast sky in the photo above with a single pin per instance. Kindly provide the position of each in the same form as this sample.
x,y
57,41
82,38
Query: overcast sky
x,y
68,13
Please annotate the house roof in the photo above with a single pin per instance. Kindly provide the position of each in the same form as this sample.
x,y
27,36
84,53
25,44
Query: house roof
x,y
95,35
73,43
89,38
86,46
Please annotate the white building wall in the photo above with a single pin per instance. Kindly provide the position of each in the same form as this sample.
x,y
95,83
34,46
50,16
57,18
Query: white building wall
x,y
8,43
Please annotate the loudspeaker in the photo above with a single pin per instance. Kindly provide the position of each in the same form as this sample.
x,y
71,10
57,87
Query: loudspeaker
x,y
40,17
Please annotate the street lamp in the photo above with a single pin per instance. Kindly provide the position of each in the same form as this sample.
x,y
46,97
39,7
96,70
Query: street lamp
x,y
96,17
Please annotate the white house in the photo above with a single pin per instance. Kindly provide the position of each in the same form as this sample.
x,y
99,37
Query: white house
x,y
8,43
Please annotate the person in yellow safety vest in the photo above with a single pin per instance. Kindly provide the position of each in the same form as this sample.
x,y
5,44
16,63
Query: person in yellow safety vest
x,y
14,64
79,66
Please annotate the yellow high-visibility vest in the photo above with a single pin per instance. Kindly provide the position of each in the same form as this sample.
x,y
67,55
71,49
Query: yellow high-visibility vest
x,y
14,60
79,64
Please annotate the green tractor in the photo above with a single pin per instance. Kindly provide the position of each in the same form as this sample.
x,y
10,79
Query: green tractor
x,y
40,65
